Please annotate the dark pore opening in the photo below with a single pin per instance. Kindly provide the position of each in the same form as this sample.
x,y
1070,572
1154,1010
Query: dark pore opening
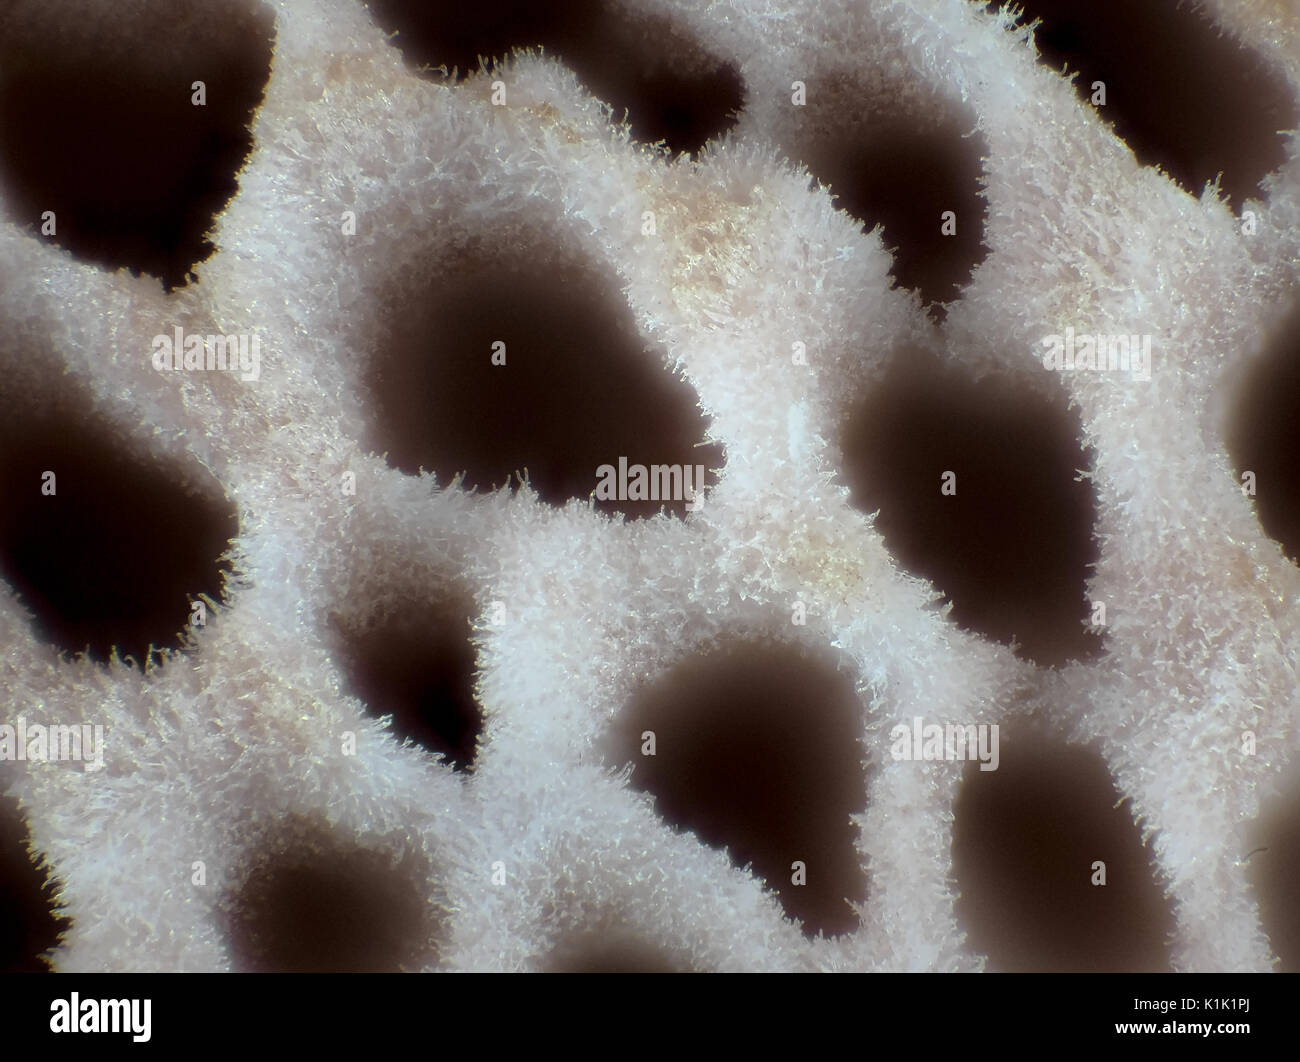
x,y
29,926
1180,92
920,181
1273,865
605,952
104,131
530,362
757,750
418,665
311,902
978,490
1026,838
1263,437
106,544
671,89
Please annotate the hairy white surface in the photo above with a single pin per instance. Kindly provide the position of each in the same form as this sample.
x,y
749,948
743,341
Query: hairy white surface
x,y
210,751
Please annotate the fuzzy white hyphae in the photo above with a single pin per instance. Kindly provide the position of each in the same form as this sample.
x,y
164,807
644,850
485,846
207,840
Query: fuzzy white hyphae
x,y
367,182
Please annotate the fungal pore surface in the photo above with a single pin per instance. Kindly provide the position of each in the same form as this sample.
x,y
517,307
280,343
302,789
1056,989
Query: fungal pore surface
x,y
649,484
